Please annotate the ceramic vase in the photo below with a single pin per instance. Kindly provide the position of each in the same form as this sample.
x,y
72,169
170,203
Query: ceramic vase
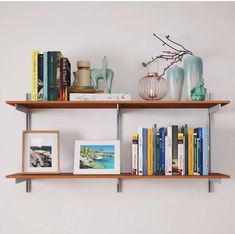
x,y
193,71
175,78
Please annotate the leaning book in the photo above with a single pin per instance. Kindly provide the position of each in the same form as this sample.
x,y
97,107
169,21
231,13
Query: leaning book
x,y
99,97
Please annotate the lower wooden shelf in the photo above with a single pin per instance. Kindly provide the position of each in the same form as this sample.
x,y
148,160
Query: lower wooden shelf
x,y
119,176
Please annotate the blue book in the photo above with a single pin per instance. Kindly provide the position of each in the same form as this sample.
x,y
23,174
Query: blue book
x,y
199,150
40,77
145,151
155,150
45,77
205,152
162,132
186,148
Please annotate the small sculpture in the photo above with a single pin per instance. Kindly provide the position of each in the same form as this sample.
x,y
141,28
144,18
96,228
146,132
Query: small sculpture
x,y
82,75
103,73
199,92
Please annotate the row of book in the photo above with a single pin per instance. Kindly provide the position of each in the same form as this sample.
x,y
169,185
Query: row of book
x,y
51,76
170,151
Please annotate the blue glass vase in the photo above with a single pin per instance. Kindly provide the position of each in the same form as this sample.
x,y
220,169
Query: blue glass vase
x,y
193,72
175,78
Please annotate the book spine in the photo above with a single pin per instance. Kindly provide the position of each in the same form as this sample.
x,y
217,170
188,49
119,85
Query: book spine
x,y
68,73
140,151
162,135
186,148
45,77
195,165
40,77
175,150
52,89
158,154
58,77
181,157
34,75
98,96
155,149
150,151
205,170
200,151
168,151
190,151
64,79
134,154
145,151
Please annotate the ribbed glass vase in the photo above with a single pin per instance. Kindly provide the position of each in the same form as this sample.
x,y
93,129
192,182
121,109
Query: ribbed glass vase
x,y
152,87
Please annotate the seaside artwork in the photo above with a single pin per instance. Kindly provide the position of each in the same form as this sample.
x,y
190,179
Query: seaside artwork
x,y
97,156
40,156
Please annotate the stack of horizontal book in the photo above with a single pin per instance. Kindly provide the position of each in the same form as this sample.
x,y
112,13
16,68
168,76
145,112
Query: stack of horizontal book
x,y
170,151
51,76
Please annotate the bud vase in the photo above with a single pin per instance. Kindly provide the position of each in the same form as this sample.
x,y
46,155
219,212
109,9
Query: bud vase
x,y
175,78
193,71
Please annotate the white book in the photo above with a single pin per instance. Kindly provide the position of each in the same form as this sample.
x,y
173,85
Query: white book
x,y
99,96
140,151
168,152
181,158
135,154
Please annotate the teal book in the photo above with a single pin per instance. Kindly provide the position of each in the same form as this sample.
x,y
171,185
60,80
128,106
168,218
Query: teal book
x,y
52,87
45,76
205,152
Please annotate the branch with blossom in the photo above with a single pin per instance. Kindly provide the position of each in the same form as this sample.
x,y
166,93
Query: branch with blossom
x,y
175,56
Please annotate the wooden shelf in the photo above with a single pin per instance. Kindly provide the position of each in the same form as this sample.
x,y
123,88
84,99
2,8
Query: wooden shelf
x,y
134,104
119,176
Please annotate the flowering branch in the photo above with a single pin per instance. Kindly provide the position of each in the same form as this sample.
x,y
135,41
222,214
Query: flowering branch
x,y
174,56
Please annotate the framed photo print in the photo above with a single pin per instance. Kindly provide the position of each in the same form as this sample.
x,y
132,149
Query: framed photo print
x,y
97,157
40,152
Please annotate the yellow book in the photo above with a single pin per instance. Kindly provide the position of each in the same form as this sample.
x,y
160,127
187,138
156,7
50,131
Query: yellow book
x,y
34,75
150,151
191,151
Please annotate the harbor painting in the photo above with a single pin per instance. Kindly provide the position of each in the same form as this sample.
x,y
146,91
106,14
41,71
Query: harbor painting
x,y
40,156
97,156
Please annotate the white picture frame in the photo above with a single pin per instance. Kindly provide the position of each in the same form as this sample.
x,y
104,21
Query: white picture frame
x,y
97,157
40,152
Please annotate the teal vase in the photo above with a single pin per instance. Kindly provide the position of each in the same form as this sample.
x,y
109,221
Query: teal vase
x,y
193,72
175,78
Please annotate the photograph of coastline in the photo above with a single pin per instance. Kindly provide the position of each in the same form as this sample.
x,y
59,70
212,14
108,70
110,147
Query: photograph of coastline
x,y
40,156
97,156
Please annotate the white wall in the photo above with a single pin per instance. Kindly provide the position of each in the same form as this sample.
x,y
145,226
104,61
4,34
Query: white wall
x,y
121,31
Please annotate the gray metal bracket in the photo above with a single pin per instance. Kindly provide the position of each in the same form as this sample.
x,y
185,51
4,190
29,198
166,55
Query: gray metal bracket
x,y
211,182
22,109
214,109
119,185
27,183
118,121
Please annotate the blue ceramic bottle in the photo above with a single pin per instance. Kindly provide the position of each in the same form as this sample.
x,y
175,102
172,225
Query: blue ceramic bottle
x,y
175,78
193,71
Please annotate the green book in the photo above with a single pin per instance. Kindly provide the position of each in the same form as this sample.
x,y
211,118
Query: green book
x,y
195,154
52,88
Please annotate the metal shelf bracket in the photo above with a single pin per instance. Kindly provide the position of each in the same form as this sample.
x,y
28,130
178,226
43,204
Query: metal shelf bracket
x,y
212,181
214,109
27,183
119,185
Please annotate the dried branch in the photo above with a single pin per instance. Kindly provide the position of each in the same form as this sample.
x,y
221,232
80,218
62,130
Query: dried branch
x,y
173,56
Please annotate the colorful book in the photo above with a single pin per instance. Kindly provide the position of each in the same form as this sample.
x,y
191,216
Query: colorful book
x,y
58,77
140,151
65,76
150,151
181,155
135,154
162,142
199,150
145,151
155,149
52,88
175,149
205,163
190,151
40,77
45,76
168,151
34,96
158,154
195,144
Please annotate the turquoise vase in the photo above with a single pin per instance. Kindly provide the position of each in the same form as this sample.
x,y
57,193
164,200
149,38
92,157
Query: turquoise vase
x,y
175,78
193,71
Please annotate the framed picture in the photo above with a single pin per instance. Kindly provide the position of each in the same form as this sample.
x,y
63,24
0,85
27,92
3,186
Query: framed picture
x,y
97,157
40,152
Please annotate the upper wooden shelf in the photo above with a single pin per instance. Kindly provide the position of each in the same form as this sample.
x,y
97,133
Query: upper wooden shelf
x,y
119,176
133,104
